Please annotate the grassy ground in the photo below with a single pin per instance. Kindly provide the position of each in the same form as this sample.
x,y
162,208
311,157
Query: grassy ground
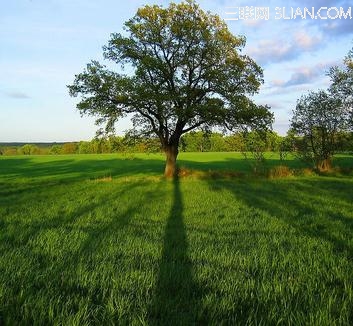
x,y
102,239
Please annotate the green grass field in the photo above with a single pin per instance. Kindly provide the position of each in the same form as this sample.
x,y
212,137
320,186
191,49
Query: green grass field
x,y
105,240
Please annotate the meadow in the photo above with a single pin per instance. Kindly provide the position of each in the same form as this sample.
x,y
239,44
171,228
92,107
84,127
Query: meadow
x,y
106,240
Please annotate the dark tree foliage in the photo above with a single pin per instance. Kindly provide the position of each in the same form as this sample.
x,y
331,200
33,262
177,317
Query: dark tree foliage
x,y
187,72
317,120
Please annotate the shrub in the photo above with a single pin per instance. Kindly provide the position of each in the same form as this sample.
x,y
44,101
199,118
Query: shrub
x,y
280,171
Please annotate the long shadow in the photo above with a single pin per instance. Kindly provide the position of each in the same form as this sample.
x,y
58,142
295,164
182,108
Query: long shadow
x,y
93,166
313,207
68,169
176,299
316,208
29,229
61,273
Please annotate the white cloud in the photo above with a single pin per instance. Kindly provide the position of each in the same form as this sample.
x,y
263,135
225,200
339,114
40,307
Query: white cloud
x,y
267,51
309,74
280,48
16,94
306,41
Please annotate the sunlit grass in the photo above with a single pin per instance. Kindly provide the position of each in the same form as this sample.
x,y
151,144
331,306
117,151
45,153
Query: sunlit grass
x,y
102,239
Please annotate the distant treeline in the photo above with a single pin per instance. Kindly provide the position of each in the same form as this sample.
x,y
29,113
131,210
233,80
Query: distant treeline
x,y
191,142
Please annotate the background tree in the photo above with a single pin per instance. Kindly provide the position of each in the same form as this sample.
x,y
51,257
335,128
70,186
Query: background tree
x,y
217,142
187,72
235,142
317,119
286,145
255,144
29,149
196,141
342,84
69,148
55,149
117,144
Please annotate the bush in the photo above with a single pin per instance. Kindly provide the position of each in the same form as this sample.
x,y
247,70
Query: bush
x,y
280,171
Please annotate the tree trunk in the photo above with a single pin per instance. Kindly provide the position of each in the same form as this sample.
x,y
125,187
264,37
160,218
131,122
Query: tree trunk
x,y
324,165
171,152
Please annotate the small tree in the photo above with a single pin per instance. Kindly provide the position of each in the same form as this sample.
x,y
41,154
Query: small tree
x,y
187,73
317,119
255,144
29,149
285,146
55,149
197,141
218,143
235,142
117,144
84,147
69,148
342,84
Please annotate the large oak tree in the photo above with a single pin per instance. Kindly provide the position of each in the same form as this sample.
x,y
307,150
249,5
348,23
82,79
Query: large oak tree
x,y
186,71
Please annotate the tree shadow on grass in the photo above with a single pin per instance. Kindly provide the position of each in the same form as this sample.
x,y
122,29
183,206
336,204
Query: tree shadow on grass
x,y
236,162
320,208
319,211
41,249
62,169
176,298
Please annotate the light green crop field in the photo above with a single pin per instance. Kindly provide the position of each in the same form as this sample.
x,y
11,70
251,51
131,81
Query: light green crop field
x,y
106,240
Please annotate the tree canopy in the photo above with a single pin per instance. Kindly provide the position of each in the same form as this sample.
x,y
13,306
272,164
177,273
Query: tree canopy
x,y
186,71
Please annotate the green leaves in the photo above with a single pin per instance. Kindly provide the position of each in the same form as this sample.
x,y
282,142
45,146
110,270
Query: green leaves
x,y
342,84
342,78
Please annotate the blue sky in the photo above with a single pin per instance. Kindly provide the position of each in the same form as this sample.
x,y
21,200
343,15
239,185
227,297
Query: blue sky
x,y
44,43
